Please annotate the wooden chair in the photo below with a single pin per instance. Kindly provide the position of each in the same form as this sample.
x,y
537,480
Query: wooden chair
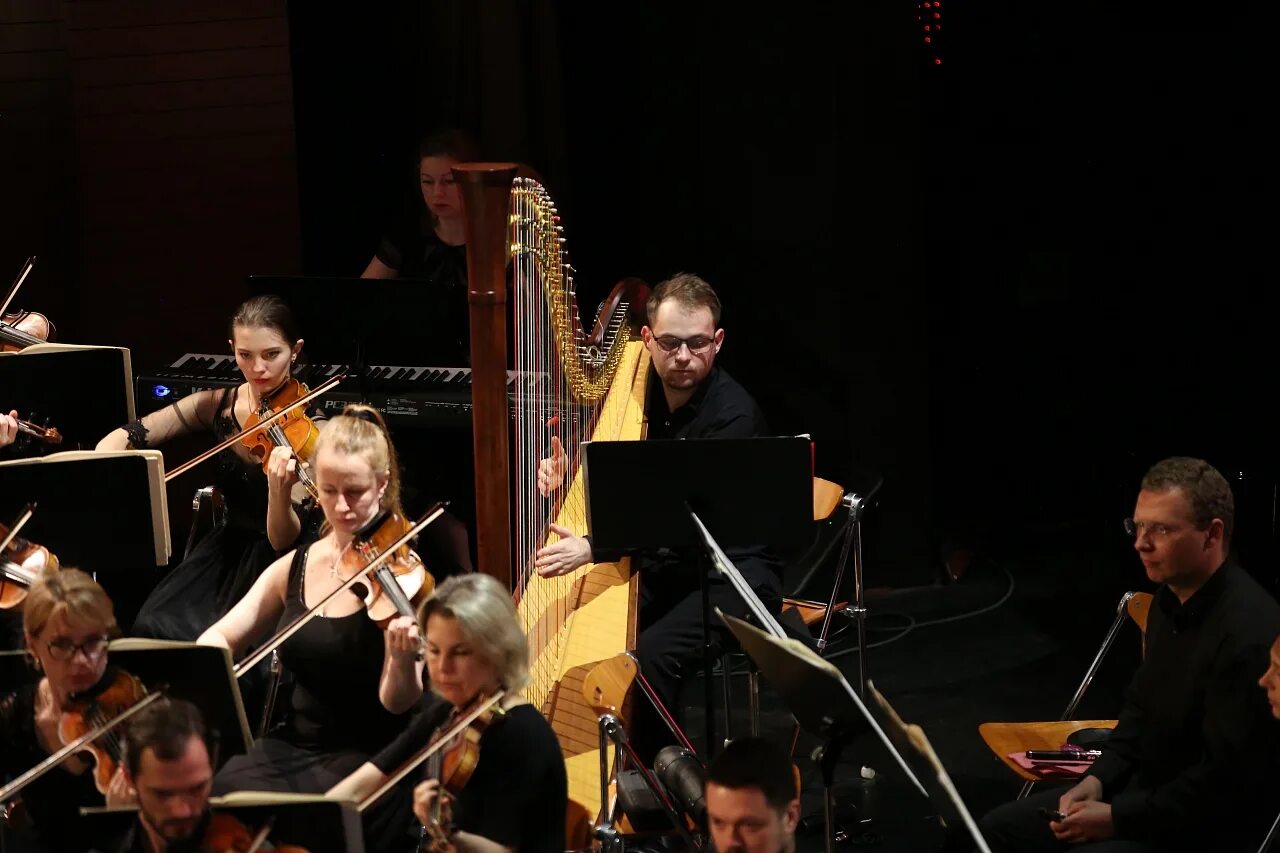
x,y
1006,738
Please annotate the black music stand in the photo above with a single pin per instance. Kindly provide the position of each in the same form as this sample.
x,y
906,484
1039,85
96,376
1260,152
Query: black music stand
x,y
751,492
200,674
364,321
310,821
99,512
86,392
820,698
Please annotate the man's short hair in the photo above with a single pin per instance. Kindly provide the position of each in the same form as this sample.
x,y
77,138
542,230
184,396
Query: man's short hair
x,y
165,727
753,762
1206,489
689,291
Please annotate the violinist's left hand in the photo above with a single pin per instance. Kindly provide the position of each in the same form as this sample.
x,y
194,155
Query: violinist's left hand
x,y
423,796
120,792
282,470
403,639
8,427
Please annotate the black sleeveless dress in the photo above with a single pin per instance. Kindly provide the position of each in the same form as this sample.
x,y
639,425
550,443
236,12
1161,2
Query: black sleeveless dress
x,y
224,564
335,721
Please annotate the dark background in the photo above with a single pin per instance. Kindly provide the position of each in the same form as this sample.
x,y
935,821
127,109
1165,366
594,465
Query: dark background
x,y
1006,270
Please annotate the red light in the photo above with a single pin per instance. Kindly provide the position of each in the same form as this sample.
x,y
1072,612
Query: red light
x,y
937,62
928,40
937,16
926,28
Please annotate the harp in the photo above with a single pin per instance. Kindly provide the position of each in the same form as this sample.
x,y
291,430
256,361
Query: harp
x,y
570,383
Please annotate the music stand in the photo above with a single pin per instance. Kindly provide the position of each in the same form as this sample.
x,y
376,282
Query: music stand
x,y
310,821
820,698
408,322
911,740
98,511
202,675
751,492
84,391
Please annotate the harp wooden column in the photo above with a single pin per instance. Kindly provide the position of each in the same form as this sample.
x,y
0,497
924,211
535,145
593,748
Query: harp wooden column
x,y
486,195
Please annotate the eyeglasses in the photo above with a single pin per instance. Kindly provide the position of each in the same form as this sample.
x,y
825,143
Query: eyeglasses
x,y
697,345
63,649
1154,529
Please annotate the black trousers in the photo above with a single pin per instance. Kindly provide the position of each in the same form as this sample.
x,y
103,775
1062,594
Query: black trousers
x,y
1018,826
671,639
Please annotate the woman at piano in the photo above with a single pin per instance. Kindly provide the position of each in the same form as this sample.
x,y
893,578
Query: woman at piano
x,y
517,796
352,681
265,512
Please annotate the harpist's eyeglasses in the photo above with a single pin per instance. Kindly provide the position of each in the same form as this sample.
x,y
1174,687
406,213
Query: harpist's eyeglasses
x,y
697,345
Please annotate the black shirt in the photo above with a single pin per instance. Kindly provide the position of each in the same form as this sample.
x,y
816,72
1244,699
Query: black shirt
x,y
1193,758
718,408
518,794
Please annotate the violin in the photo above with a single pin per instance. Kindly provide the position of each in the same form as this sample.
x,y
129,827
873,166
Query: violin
x,y
453,764
21,329
88,723
294,430
46,434
226,834
83,714
263,421
403,579
21,562
16,577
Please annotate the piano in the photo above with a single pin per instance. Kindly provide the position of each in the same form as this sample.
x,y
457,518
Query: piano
x,y
428,397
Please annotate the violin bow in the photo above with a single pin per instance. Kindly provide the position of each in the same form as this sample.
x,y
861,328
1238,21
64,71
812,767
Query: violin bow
x,y
296,625
18,524
8,791
428,751
265,422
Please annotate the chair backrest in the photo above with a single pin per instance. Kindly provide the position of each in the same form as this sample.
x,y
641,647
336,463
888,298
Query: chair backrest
x,y
826,497
1138,606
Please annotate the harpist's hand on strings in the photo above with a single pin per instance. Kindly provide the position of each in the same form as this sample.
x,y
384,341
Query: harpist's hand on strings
x,y
551,470
564,556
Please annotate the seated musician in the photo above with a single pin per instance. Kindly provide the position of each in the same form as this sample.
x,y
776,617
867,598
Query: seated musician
x,y
517,796
168,763
693,398
8,428
431,243
1191,763
752,802
265,511
67,620
352,680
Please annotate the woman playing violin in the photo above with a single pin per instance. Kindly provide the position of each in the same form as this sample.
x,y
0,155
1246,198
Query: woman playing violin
x,y
352,680
67,620
265,513
516,798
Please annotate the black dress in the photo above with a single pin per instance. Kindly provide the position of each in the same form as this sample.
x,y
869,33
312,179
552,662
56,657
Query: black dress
x,y
336,721
53,801
517,795
224,564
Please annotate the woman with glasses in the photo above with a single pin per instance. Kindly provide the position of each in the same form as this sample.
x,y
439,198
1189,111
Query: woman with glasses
x,y
67,622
